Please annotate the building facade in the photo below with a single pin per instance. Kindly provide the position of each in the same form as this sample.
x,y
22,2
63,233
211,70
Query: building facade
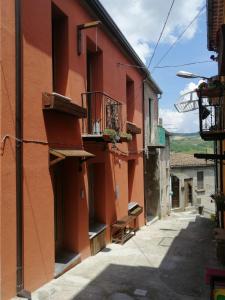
x,y
192,182
156,156
72,136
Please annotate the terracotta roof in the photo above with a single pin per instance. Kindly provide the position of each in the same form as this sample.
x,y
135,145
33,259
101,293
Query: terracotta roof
x,y
187,160
215,10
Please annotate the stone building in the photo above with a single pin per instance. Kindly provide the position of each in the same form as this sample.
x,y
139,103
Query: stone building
x,y
192,182
156,156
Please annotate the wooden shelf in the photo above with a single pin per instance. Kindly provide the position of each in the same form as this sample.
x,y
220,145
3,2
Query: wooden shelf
x,y
62,104
133,128
213,135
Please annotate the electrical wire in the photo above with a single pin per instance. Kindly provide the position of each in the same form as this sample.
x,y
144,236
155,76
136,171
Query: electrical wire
x,y
34,141
161,33
187,64
179,37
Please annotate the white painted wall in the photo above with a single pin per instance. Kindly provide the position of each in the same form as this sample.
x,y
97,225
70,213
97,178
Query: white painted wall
x,y
200,197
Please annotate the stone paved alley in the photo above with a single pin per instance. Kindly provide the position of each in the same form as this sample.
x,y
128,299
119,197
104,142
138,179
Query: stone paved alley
x,y
165,260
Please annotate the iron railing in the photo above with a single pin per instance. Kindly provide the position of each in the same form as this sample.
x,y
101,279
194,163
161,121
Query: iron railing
x,y
103,112
211,117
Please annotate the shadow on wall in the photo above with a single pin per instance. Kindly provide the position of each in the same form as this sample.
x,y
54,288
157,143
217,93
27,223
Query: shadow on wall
x,y
173,271
152,184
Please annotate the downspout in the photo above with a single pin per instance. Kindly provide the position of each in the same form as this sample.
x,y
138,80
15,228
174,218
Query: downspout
x,y
19,155
144,158
19,150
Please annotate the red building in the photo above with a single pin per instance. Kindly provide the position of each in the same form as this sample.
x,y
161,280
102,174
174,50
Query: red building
x,y
68,169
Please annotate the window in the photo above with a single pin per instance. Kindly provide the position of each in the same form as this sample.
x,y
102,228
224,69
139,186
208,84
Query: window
x,y
150,118
60,56
200,180
130,99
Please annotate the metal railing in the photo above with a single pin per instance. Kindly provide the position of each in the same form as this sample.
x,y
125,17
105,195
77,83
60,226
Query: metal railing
x,y
103,112
211,117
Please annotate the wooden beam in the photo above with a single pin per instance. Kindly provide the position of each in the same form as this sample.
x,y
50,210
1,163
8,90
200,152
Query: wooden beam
x,y
209,156
133,128
60,103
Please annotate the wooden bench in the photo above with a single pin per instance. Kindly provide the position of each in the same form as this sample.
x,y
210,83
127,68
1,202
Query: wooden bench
x,y
123,229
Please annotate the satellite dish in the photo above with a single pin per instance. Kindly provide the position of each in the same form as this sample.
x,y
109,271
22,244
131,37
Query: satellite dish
x,y
187,102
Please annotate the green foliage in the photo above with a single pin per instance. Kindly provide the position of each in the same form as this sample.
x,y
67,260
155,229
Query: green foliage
x,y
190,144
110,132
126,135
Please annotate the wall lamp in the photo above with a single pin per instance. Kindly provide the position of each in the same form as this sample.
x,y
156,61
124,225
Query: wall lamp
x,y
82,27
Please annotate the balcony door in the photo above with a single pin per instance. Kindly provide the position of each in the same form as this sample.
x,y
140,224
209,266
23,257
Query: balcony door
x,y
94,100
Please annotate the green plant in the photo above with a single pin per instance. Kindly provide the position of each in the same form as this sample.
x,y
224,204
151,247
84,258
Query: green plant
x,y
125,135
110,132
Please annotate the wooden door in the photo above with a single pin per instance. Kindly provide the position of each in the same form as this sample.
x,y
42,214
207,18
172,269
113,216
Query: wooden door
x,y
176,192
59,207
188,183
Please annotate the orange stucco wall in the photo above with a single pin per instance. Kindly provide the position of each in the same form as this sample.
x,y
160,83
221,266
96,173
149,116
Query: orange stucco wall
x,y
7,160
57,130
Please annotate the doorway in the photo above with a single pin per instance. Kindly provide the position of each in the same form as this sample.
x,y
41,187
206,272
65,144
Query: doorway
x,y
131,172
176,192
97,209
65,215
58,208
188,194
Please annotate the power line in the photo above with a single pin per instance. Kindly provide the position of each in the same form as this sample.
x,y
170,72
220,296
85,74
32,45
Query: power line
x,y
187,64
161,33
180,36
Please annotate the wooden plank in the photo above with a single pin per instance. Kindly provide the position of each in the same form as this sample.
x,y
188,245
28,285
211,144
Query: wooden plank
x,y
133,128
59,103
136,211
71,153
97,243
209,156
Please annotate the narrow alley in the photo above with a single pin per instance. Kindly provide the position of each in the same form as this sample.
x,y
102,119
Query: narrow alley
x,y
165,260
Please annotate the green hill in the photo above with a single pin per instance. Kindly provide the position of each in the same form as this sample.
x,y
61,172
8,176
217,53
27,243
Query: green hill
x,y
190,143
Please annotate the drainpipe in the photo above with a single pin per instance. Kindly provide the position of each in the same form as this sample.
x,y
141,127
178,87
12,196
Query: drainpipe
x,y
19,155
19,150
144,158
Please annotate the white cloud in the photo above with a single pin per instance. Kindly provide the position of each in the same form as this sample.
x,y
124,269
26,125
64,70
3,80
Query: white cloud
x,y
182,122
174,121
142,20
191,86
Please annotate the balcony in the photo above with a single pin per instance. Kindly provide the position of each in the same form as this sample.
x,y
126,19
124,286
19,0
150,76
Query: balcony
x,y
160,136
104,117
211,114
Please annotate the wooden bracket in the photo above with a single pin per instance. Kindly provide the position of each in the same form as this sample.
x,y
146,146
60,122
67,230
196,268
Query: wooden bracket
x,y
59,158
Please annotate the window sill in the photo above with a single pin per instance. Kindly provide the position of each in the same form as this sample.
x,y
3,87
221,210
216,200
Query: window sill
x,y
200,190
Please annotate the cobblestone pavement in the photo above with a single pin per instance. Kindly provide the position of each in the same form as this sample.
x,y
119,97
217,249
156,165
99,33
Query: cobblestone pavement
x,y
165,260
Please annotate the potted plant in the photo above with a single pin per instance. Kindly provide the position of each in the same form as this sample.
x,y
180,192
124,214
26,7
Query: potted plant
x,y
125,137
110,134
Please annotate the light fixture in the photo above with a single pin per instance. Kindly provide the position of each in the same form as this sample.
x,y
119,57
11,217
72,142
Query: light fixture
x,y
185,74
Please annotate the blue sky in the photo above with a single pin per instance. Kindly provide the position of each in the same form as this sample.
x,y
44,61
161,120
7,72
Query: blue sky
x,y
191,48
